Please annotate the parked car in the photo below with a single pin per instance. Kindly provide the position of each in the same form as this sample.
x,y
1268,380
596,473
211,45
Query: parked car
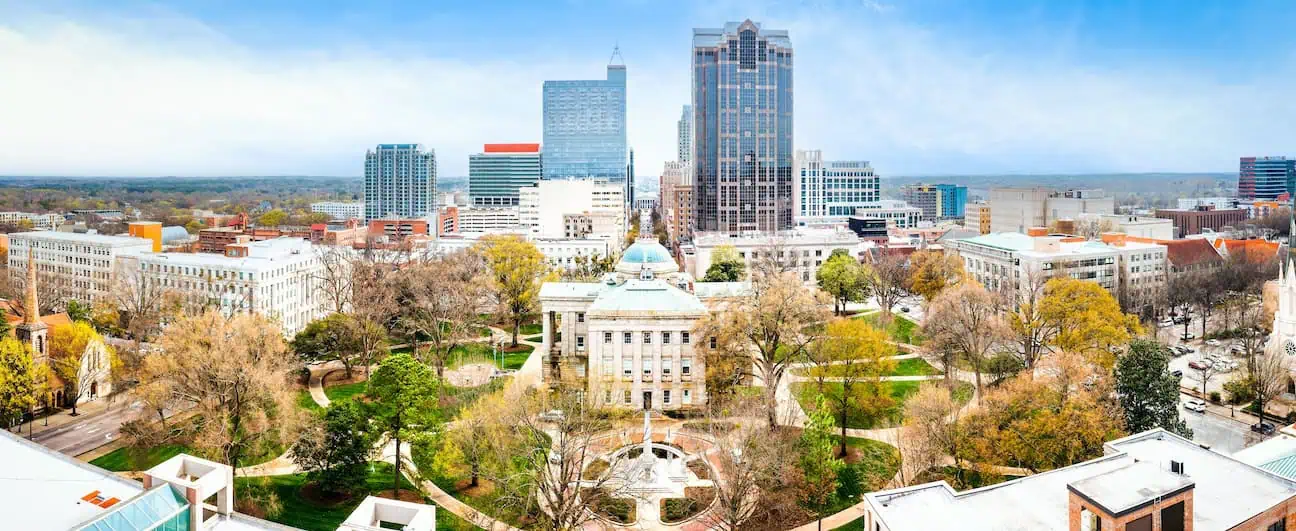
x,y
904,309
1182,350
1237,349
1194,404
1198,365
1166,322
1263,428
552,416
1187,337
1213,342
1176,373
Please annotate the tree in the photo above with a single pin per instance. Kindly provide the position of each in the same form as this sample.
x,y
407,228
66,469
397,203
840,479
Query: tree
x,y
842,277
475,431
933,271
517,269
327,339
232,370
404,402
139,301
1269,375
273,218
78,311
964,320
888,281
726,265
931,428
335,280
819,465
774,322
439,301
1089,321
334,452
1148,393
79,359
18,384
856,355
754,479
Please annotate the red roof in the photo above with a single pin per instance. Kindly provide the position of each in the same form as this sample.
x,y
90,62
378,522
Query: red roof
x,y
511,148
1183,253
1253,251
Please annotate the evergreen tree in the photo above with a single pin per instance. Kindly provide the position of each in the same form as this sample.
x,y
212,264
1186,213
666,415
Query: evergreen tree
x,y
819,461
335,452
1148,393
404,394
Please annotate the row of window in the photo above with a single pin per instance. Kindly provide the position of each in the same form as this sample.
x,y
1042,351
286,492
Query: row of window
x,y
627,368
626,397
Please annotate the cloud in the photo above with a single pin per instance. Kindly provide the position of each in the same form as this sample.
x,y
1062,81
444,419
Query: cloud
x,y
163,94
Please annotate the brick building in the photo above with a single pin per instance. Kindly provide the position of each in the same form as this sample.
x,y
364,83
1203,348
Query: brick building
x,y
1194,220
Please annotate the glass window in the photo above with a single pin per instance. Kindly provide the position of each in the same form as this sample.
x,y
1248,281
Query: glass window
x,y
647,338
580,317
607,337
580,342
688,396
684,338
607,397
627,396
625,337
666,396
713,342
607,366
627,367
647,368
686,366
666,338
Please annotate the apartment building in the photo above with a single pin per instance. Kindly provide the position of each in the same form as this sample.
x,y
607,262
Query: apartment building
x,y
1202,218
977,217
561,253
340,210
802,250
74,266
38,221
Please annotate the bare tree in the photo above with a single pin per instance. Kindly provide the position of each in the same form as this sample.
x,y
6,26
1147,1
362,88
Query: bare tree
x,y
889,281
752,486
1033,332
1270,373
139,300
931,430
334,281
439,301
963,319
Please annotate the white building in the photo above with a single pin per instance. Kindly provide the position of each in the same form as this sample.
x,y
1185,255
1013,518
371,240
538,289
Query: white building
x,y
831,190
803,250
38,221
627,341
492,219
342,210
278,278
648,202
558,252
898,214
1019,209
1220,203
75,266
1135,226
543,207
684,134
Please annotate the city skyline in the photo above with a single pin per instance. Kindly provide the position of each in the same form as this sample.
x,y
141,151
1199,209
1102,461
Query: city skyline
x,y
935,88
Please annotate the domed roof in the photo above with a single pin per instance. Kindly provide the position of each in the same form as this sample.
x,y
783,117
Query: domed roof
x,y
646,252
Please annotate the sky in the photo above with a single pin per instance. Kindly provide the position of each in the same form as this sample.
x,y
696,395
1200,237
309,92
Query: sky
x,y
920,87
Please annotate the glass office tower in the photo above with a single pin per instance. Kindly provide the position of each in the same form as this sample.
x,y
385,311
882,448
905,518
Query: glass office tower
x,y
742,128
400,182
585,127
497,173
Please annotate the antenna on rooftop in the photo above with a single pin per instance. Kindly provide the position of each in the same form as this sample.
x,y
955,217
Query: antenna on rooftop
x,y
616,54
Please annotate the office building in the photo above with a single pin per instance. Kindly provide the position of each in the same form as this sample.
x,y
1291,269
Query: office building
x,y
340,210
277,278
496,174
800,250
1150,481
36,221
559,253
1220,203
684,129
898,214
742,128
1266,178
1203,218
977,217
544,207
73,266
627,340
1135,226
831,190
937,201
585,127
400,182
1019,209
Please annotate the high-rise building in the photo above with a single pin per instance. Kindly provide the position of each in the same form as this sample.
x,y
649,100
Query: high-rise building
x,y
630,181
1019,209
831,190
1266,177
953,201
496,174
585,127
400,182
545,208
742,128
937,201
685,129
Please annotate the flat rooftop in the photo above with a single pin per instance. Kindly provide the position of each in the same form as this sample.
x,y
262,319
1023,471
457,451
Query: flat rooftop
x,y
85,238
43,489
1128,488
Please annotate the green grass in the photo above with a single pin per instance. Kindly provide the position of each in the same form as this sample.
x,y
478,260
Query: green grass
x,y
121,460
529,329
481,353
306,402
451,521
305,514
901,329
854,525
806,392
345,391
534,339
870,466
487,502
904,367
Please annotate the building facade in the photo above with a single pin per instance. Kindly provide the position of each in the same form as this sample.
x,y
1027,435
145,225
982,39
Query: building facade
x,y
478,220
977,217
1205,217
37,221
543,207
831,190
684,130
74,266
340,210
800,250
559,253
898,214
1220,203
400,182
1266,178
742,128
585,127
1019,209
496,174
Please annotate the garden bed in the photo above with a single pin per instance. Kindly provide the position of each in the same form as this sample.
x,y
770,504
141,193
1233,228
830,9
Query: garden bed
x,y
695,500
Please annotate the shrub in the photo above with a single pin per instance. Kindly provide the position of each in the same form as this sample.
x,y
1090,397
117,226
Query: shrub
x,y
1240,390
677,509
709,426
1215,396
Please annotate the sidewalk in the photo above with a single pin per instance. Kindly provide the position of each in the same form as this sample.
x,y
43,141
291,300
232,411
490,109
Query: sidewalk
x,y
85,410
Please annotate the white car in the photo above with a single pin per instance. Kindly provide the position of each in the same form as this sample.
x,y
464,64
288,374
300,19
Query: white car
x,y
1193,404
1213,342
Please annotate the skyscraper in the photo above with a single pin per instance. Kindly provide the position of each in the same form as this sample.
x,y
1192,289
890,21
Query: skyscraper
x,y
630,181
1266,178
400,181
937,201
832,190
685,129
496,174
585,127
742,128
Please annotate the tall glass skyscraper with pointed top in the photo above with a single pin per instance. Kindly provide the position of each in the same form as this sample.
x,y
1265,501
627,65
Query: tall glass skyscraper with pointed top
x,y
585,127
742,128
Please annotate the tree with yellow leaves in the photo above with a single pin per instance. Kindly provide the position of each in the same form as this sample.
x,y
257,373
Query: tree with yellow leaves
x,y
965,322
517,269
933,271
857,355
80,359
18,380
1063,313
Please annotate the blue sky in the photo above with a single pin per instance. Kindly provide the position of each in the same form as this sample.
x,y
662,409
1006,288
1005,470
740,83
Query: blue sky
x,y
923,87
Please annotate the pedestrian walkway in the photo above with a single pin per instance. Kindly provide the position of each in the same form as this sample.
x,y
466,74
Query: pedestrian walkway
x,y
86,409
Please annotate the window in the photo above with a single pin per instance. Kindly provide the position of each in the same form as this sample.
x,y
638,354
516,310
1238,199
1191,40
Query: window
x,y
1172,518
647,338
627,367
627,396
666,396
607,366
666,338
688,396
647,369
1280,525
684,338
580,317
607,397
607,338
713,342
625,337
666,368
580,342
686,366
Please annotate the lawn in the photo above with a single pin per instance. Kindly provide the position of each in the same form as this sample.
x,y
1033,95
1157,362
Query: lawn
x,y
121,460
904,367
345,391
870,466
901,329
306,402
899,392
482,353
300,512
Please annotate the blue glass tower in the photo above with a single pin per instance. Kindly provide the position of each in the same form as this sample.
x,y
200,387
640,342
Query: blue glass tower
x,y
742,128
585,127
953,200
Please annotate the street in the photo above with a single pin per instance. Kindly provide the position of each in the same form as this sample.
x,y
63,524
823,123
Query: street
x,y
1216,429
86,434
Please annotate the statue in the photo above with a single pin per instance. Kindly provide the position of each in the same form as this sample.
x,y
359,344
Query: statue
x,y
646,458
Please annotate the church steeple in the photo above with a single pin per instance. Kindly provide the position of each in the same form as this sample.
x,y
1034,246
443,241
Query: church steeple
x,y
32,330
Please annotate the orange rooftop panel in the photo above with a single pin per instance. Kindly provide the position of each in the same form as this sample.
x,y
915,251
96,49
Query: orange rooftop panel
x,y
511,148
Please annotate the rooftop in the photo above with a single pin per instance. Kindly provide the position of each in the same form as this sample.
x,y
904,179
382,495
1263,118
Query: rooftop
x,y
262,255
646,252
654,296
1115,491
85,238
43,489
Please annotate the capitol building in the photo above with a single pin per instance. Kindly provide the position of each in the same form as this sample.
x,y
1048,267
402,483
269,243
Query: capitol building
x,y
626,341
